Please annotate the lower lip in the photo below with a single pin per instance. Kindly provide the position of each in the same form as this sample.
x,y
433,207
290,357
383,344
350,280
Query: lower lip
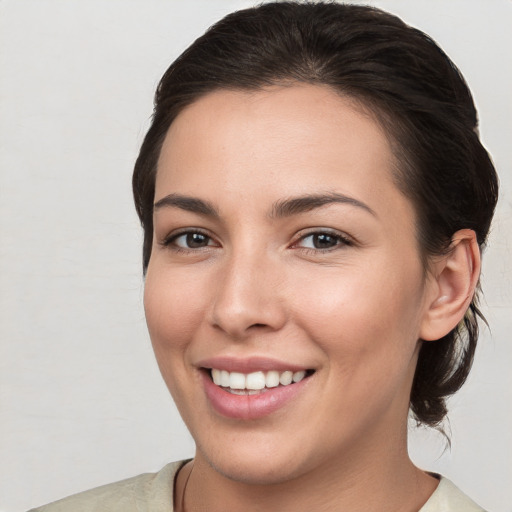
x,y
250,407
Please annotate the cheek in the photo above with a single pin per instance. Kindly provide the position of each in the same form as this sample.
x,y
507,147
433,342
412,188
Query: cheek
x,y
368,317
172,315
368,333
173,306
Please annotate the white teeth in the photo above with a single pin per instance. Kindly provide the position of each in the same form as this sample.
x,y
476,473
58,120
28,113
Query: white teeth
x,y
255,380
272,379
224,379
216,376
244,392
236,380
253,383
286,378
298,376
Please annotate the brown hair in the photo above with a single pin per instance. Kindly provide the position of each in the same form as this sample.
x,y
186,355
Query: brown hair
x,y
412,87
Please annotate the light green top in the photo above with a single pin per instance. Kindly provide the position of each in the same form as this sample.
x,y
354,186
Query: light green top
x,y
153,492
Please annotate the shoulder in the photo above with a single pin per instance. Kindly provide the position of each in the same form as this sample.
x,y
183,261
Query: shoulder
x,y
449,498
148,492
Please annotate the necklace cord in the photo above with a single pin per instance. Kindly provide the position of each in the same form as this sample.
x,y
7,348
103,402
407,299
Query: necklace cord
x,y
184,489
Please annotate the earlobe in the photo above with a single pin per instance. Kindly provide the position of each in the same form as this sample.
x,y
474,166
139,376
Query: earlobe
x,y
453,281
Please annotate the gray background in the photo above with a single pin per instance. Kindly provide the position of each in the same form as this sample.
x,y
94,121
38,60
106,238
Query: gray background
x,y
81,400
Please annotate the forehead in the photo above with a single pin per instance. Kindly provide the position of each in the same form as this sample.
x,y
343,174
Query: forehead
x,y
283,140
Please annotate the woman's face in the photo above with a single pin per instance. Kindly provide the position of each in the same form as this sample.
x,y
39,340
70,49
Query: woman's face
x,y
282,246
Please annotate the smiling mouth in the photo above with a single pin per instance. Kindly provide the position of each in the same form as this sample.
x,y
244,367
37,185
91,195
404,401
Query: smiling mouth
x,y
255,383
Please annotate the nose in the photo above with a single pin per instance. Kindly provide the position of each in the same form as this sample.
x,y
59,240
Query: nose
x,y
249,297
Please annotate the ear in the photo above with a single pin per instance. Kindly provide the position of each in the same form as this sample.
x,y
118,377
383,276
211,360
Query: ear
x,y
452,282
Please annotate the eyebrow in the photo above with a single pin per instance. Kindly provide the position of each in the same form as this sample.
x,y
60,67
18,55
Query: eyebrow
x,y
190,204
306,203
280,209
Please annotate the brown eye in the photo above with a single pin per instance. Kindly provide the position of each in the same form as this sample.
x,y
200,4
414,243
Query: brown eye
x,y
191,240
322,240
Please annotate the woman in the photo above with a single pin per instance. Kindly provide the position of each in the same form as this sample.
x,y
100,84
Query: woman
x,y
314,199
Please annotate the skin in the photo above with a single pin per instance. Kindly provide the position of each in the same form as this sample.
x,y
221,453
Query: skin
x,y
352,310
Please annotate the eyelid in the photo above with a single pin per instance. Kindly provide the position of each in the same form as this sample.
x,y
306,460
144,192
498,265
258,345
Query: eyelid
x,y
168,240
346,240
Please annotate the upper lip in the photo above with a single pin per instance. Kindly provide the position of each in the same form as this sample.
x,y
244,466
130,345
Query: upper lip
x,y
249,364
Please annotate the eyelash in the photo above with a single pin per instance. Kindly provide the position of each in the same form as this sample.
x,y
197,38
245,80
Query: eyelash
x,y
170,241
340,239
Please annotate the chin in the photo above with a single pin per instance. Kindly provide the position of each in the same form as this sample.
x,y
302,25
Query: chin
x,y
250,461
257,471
260,459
